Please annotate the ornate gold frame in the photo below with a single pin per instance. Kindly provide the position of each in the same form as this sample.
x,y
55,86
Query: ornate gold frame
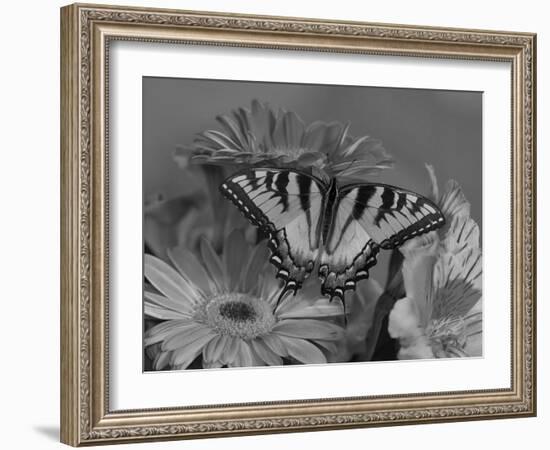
x,y
86,31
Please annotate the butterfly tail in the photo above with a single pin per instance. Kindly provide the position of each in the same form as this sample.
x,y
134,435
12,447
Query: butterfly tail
x,y
338,294
345,312
290,286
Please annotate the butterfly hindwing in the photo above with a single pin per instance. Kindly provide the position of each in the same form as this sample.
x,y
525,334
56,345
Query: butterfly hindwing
x,y
341,270
286,205
348,252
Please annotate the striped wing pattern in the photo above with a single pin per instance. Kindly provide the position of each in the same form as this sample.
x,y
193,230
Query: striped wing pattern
x,y
286,205
389,215
369,217
291,206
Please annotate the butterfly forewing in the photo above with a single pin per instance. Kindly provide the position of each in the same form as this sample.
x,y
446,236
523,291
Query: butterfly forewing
x,y
390,215
286,205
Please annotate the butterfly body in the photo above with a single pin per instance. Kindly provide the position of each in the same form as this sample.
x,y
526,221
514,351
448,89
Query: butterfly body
x,y
329,209
314,224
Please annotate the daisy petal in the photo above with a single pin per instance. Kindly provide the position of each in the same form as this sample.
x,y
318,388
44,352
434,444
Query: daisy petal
x,y
330,346
168,281
262,122
221,139
213,350
314,137
152,310
245,354
183,309
310,159
233,131
211,365
321,308
163,330
236,362
234,251
185,336
359,172
321,136
275,344
184,356
191,268
303,351
289,130
251,272
308,329
265,353
221,351
269,289
231,350
162,360
213,265
288,303
347,167
240,359
353,146
341,139
256,360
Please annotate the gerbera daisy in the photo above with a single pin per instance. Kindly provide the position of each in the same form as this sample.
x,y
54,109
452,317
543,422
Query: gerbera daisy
x,y
225,309
263,136
440,316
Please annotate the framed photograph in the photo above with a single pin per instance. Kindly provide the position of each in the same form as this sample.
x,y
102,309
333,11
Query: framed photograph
x,y
275,225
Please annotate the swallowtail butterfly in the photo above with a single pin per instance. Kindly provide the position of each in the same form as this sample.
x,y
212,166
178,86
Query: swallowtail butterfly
x,y
315,224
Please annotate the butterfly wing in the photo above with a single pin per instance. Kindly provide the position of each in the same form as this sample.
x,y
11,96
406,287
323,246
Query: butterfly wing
x,y
367,217
389,214
286,205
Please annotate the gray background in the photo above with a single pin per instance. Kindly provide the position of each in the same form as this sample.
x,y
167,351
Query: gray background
x,y
416,126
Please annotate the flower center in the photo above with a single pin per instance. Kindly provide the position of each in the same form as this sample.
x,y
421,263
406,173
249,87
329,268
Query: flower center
x,y
447,335
237,311
237,314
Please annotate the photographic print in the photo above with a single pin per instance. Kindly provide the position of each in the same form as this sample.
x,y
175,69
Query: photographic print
x,y
254,201
294,224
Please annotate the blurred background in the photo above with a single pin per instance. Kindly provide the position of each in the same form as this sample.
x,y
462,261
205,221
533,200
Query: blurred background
x,y
416,126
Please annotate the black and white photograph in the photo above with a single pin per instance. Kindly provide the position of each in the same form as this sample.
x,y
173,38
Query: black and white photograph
x,y
275,225
291,224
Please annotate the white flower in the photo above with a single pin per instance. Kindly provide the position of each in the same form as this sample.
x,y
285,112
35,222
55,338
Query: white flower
x,y
440,316
225,310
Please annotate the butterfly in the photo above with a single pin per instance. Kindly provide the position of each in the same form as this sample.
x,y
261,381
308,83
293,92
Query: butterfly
x,y
314,223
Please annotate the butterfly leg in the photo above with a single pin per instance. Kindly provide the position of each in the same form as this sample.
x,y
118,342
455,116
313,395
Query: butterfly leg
x,y
338,292
337,279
